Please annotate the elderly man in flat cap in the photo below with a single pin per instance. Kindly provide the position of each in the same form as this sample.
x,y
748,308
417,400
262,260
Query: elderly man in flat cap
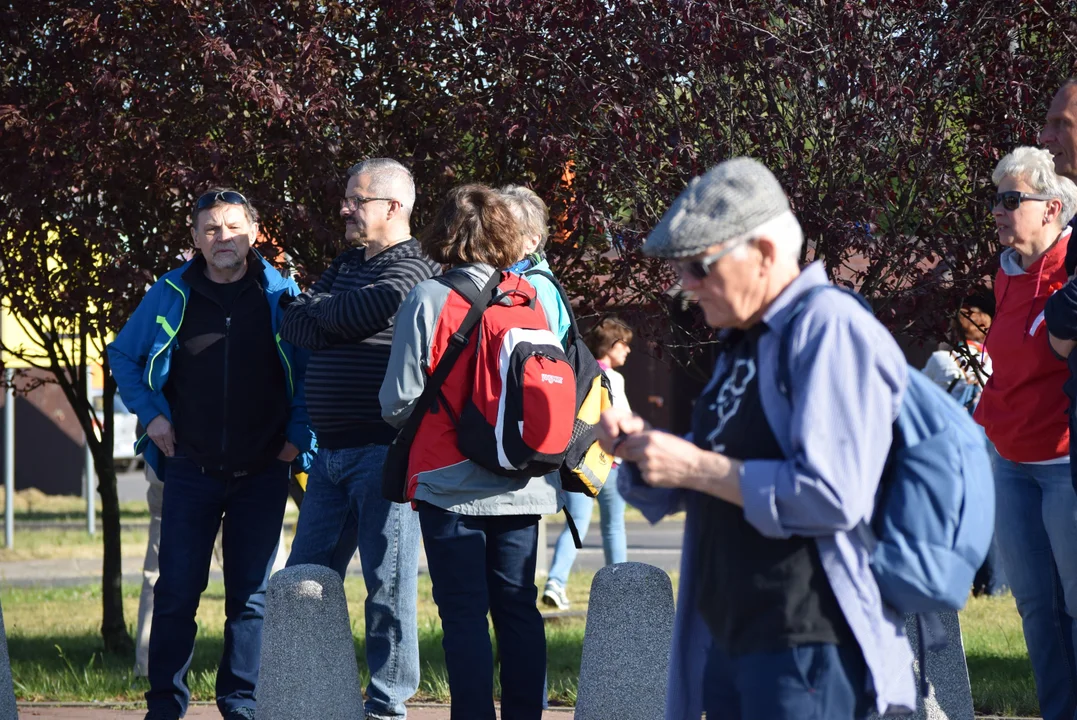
x,y
781,616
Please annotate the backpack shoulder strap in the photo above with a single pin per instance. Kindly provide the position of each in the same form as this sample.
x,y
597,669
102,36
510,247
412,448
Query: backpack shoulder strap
x,y
457,342
785,344
573,329
459,281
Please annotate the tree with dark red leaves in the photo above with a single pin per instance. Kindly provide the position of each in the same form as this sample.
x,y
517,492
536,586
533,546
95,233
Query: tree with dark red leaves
x,y
882,119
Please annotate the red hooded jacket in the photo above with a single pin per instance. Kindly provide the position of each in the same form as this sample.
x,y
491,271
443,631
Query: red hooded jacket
x,y
1023,408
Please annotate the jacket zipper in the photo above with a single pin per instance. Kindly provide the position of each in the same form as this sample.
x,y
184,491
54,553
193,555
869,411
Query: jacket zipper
x,y
224,413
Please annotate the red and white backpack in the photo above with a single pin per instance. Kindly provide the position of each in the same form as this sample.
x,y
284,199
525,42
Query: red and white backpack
x,y
519,416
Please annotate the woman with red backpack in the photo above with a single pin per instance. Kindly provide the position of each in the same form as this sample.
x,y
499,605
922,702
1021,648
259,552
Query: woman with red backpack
x,y
479,517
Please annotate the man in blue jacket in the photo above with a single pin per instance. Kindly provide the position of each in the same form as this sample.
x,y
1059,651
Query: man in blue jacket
x,y
221,397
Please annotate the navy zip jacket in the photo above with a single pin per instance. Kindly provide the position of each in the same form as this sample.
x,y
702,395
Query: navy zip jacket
x,y
1060,315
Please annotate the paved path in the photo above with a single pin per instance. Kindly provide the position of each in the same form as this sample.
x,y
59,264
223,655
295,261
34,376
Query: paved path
x,y
658,545
83,712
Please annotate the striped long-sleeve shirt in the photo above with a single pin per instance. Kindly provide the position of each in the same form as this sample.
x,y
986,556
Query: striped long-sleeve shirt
x,y
346,319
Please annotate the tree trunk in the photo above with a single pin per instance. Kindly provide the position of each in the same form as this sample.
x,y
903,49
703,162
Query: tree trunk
x,y
113,627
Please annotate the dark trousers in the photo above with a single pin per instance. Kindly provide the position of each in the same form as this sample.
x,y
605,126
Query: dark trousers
x,y
807,682
482,564
252,508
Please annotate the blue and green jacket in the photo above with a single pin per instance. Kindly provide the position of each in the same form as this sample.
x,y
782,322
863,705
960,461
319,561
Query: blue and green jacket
x,y
141,355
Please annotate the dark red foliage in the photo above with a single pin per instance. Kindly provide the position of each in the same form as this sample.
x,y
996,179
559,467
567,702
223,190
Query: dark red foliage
x,y
882,119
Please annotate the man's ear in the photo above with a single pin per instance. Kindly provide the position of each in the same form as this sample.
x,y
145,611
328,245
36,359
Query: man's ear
x,y
768,249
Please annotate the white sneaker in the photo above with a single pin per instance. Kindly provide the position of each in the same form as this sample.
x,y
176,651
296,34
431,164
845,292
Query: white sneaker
x,y
554,595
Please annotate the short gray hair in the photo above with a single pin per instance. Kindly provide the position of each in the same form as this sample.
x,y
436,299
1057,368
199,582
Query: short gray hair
x,y
1036,167
529,210
388,178
784,231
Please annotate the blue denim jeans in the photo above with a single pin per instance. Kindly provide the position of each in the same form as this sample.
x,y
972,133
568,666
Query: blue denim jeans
x,y
343,509
806,682
611,513
252,508
481,564
1036,527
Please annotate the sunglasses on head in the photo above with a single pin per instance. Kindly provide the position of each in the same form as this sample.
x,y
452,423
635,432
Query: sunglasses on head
x,y
228,197
701,268
1012,199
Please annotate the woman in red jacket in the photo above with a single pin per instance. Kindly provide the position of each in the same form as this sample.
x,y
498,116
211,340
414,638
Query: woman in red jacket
x,y
1023,409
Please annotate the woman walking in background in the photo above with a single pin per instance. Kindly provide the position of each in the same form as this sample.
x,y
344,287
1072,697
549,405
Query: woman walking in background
x,y
609,341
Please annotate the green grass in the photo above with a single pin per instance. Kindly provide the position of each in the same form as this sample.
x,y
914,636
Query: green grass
x,y
55,544
999,669
56,651
34,505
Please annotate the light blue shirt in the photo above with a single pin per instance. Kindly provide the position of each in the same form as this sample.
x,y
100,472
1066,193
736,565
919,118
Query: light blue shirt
x,y
847,378
556,313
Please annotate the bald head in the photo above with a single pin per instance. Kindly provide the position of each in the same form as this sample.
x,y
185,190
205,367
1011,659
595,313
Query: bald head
x,y
1059,134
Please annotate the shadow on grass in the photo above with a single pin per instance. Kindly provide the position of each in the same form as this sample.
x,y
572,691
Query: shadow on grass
x,y
77,668
1003,685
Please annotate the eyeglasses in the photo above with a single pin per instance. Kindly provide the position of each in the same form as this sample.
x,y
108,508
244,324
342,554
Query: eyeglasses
x,y
1012,199
228,197
701,268
352,203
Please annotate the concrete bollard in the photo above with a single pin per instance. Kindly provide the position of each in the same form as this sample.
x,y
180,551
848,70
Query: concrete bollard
x,y
308,654
950,695
626,645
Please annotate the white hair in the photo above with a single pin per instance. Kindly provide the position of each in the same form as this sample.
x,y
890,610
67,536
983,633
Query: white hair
x,y
388,178
783,230
529,210
1036,167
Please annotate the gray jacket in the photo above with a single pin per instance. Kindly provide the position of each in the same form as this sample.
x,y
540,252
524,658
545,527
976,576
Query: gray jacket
x,y
464,488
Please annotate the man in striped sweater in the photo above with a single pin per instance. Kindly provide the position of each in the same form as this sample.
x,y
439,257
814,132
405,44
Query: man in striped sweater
x,y
346,319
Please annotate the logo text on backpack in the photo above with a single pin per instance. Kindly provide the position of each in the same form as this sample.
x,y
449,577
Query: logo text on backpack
x,y
552,379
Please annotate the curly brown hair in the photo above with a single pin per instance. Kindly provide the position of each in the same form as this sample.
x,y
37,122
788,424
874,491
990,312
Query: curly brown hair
x,y
609,331
473,225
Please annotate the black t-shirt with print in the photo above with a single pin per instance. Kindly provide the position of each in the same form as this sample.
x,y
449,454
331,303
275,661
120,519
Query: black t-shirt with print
x,y
757,594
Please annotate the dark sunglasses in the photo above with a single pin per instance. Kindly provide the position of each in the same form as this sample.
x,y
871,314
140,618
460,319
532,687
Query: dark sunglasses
x,y
1012,199
228,197
701,268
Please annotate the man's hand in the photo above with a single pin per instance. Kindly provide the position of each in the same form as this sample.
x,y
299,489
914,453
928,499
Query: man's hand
x,y
667,461
664,460
162,434
614,427
288,453
1062,347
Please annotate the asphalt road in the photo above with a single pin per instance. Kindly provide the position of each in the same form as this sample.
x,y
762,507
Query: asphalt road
x,y
658,545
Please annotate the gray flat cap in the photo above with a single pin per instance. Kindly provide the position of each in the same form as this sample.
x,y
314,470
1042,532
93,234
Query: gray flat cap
x,y
732,199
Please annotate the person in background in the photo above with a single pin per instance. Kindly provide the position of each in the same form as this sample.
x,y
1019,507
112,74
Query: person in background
x,y
1059,137
480,529
962,371
533,219
221,397
1023,410
610,342
155,491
